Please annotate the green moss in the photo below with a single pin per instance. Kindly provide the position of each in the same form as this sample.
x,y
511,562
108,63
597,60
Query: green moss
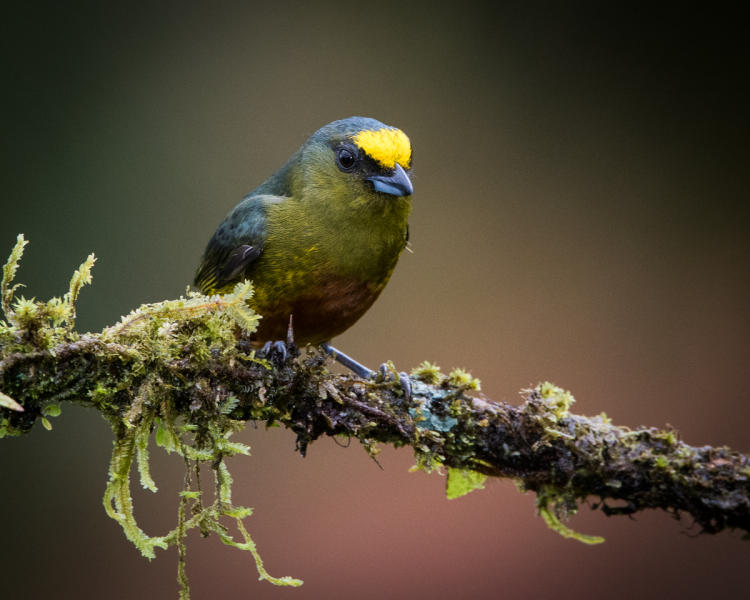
x,y
551,505
202,441
81,277
669,437
427,372
51,410
194,328
427,460
460,482
9,274
557,400
461,378
204,325
554,523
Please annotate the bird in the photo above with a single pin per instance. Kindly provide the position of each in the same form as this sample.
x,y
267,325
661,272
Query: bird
x,y
320,238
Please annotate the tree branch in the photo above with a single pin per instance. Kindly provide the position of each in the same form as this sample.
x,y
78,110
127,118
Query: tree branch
x,y
189,362
562,456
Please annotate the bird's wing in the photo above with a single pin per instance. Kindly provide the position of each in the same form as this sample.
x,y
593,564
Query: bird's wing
x,y
237,243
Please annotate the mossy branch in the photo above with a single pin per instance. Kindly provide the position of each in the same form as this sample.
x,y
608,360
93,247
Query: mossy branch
x,y
185,371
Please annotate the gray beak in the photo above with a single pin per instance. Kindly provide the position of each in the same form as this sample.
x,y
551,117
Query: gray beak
x,y
395,184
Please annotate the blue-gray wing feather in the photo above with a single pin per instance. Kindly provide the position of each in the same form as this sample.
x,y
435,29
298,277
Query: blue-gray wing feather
x,y
236,244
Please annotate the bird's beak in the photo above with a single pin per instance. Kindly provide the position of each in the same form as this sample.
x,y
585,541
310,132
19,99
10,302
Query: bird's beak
x,y
395,184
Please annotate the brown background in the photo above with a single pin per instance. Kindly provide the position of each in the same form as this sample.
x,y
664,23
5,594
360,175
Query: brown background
x,y
580,215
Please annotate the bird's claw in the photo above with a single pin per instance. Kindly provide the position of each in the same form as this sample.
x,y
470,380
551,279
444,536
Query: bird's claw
x,y
385,373
405,382
281,349
272,349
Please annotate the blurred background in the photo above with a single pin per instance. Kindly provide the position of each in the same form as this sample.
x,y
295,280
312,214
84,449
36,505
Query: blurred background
x,y
580,216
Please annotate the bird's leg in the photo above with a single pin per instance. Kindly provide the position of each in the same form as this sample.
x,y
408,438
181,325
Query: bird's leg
x,y
362,371
351,364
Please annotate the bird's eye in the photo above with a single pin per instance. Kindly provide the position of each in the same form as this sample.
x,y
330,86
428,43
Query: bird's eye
x,y
346,159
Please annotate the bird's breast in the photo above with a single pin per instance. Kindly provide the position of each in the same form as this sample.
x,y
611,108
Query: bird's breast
x,y
325,268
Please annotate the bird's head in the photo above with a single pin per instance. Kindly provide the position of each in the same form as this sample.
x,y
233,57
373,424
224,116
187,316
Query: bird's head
x,y
361,157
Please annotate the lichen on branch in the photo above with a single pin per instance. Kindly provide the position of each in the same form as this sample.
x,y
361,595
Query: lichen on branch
x,y
183,374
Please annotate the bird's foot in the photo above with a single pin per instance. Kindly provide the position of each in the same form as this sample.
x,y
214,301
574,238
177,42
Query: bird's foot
x,y
387,372
273,350
280,350
384,372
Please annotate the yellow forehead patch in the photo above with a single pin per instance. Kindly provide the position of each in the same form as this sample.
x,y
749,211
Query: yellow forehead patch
x,y
385,146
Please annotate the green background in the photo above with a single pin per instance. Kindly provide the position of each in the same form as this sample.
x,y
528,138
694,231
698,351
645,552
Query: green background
x,y
580,215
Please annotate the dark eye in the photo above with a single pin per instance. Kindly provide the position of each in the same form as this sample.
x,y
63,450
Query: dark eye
x,y
345,158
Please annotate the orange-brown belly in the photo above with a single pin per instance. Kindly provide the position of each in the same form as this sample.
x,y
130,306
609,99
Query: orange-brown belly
x,y
319,315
